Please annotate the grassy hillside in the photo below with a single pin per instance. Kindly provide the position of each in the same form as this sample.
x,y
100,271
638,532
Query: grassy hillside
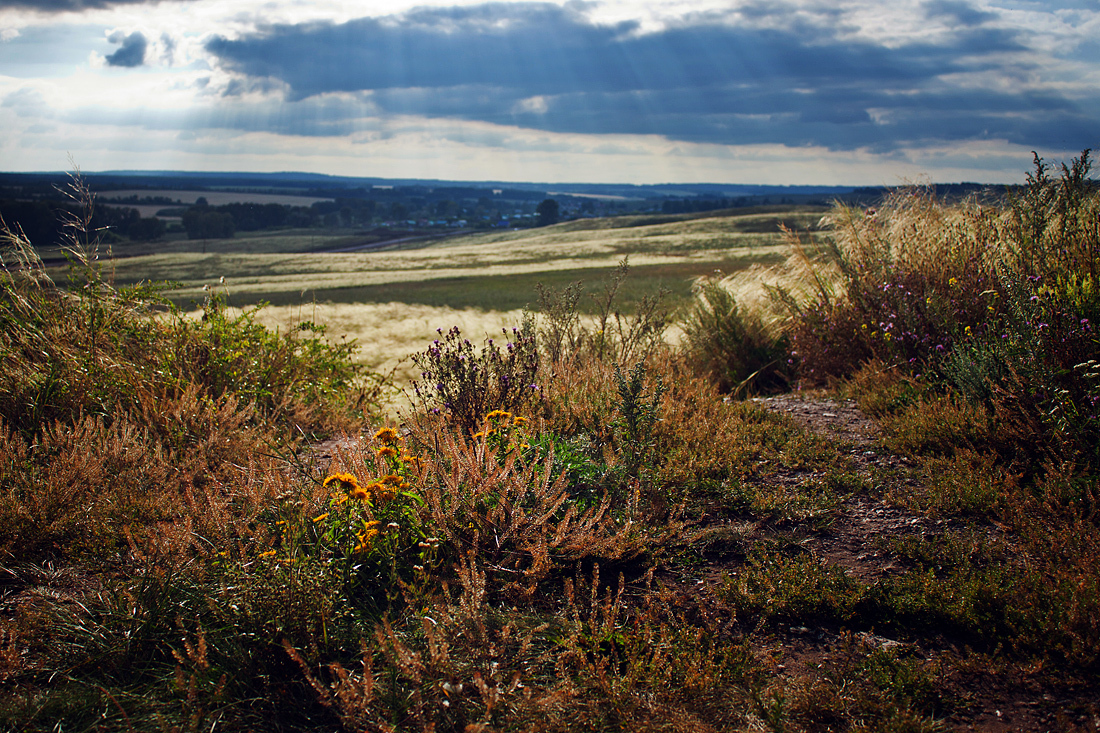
x,y
575,526
489,271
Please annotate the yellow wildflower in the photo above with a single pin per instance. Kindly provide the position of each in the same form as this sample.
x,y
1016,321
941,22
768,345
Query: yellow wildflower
x,y
953,282
369,533
387,435
498,413
388,451
359,493
343,478
269,553
519,421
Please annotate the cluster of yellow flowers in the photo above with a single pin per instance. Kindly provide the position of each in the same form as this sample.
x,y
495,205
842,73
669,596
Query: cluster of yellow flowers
x,y
345,486
389,439
365,537
388,436
350,485
498,420
386,488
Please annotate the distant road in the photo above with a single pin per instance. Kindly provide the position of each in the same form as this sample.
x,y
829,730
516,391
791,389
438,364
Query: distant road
x,y
391,242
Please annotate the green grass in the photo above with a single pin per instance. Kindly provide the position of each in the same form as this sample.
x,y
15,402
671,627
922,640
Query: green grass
x,y
511,292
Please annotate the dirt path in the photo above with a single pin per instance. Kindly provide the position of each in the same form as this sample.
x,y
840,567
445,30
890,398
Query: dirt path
x,y
988,700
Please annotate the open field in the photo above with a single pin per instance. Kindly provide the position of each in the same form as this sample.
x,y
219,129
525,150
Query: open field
x,y
214,198
284,241
391,302
387,332
494,271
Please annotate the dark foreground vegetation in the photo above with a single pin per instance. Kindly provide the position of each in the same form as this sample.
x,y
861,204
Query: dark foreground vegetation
x,y
576,527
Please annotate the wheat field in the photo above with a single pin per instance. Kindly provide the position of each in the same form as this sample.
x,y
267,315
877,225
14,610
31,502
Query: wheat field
x,y
392,302
679,251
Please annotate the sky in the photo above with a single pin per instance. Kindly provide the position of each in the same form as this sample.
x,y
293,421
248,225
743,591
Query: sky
x,y
788,92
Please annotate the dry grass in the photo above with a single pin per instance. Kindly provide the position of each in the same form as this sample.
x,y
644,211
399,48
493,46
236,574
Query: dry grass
x,y
388,334
704,243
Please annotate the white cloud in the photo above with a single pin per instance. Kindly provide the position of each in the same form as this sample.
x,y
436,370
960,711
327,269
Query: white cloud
x,y
173,111
532,105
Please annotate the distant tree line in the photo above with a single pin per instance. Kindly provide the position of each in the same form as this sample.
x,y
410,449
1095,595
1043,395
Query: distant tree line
x,y
695,205
34,205
42,221
691,206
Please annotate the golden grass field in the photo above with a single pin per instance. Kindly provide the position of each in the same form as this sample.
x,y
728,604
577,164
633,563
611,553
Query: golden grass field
x,y
387,333
487,270
392,301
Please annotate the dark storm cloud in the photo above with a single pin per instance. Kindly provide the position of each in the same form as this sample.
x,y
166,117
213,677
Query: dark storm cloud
x,y
708,79
960,12
132,51
547,50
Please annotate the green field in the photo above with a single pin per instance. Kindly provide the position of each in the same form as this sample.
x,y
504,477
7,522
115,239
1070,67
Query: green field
x,y
494,271
392,300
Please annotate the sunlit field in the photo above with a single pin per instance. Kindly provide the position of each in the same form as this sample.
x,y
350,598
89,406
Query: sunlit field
x,y
496,271
387,333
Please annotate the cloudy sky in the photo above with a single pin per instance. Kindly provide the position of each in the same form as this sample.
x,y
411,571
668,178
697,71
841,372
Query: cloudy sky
x,y
738,91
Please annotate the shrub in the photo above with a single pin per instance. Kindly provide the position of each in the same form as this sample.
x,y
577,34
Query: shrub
x,y
911,276
611,334
733,344
637,416
1034,359
468,385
